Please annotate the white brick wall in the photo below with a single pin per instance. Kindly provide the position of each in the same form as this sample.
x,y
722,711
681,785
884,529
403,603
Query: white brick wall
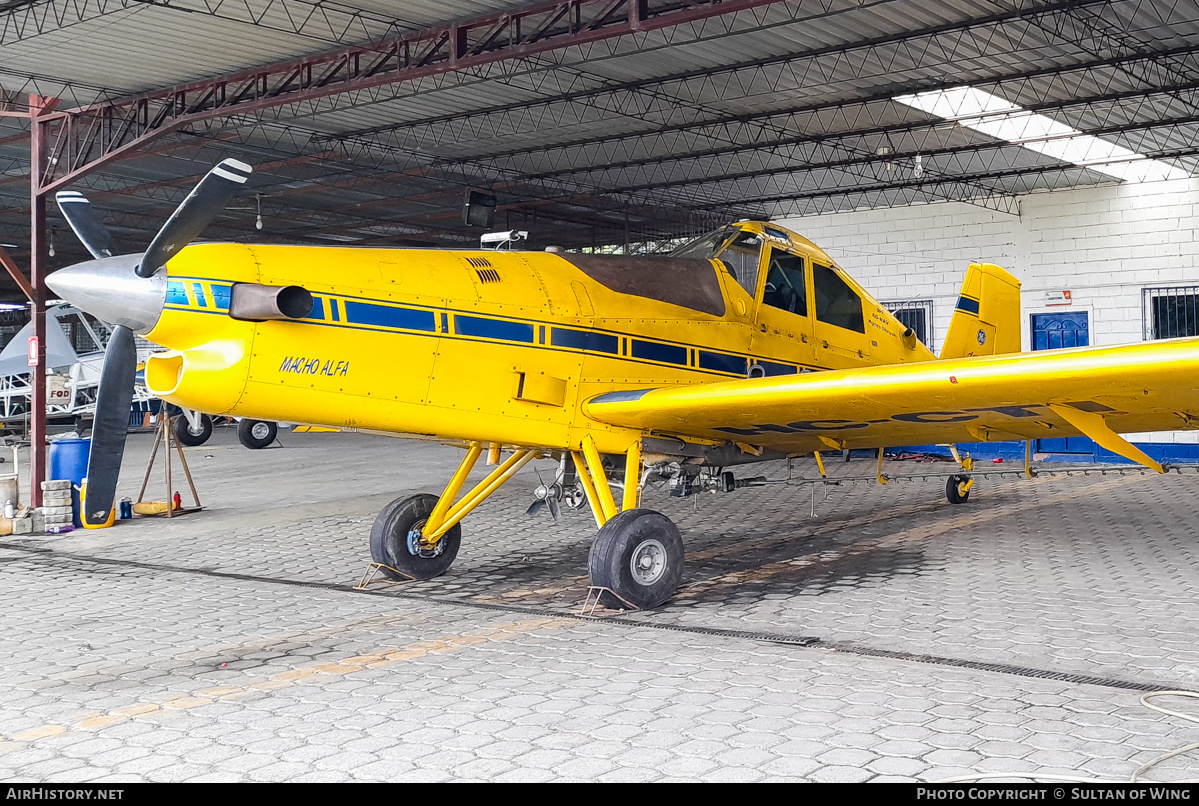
x,y
1104,244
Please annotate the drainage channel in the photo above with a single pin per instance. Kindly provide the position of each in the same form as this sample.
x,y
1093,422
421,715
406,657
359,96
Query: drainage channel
x,y
805,641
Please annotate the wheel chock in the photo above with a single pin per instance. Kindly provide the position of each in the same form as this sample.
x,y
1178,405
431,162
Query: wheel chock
x,y
368,576
595,593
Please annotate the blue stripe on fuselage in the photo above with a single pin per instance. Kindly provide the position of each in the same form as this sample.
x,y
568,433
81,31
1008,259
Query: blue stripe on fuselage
x,y
585,340
371,314
362,313
499,329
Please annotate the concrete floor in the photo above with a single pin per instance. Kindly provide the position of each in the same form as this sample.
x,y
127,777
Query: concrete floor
x,y
890,637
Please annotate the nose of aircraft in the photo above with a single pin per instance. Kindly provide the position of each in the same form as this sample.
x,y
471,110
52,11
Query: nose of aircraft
x,y
110,290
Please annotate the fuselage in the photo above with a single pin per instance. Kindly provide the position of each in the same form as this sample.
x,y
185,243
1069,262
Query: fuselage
x,y
502,347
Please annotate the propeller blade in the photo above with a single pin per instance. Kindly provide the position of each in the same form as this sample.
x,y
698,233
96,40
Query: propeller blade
x,y
534,508
555,510
88,227
110,425
192,217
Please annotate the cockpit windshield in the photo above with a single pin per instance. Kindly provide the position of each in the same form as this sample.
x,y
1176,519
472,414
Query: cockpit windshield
x,y
705,246
739,250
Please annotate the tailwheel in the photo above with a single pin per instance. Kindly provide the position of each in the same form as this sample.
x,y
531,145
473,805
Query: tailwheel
x,y
957,489
637,554
397,543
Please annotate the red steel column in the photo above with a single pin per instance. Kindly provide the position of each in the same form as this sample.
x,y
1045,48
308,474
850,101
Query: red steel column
x,y
39,157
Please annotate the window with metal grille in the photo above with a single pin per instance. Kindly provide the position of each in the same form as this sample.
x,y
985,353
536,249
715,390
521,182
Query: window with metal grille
x,y
916,314
1169,313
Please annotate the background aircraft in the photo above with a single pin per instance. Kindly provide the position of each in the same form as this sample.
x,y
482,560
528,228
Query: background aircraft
x,y
746,345
74,358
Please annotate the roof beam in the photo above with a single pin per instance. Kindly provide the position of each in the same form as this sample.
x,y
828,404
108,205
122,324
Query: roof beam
x,y
820,66
761,130
929,188
931,140
1132,110
330,23
83,139
948,163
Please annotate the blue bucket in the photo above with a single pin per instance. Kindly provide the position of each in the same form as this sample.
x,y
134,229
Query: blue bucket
x,y
68,460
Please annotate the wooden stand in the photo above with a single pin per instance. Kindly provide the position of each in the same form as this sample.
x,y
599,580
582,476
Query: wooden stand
x,y
166,437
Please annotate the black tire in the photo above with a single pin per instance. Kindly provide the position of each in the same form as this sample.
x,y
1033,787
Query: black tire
x,y
952,492
185,434
256,434
637,539
389,540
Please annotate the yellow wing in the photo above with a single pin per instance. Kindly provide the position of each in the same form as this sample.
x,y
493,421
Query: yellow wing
x,y
1095,391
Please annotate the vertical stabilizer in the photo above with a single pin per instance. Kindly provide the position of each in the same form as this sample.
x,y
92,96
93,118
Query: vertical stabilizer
x,y
986,320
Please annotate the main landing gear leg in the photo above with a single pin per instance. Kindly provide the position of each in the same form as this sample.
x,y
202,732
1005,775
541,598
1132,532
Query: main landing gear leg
x,y
418,537
637,555
957,487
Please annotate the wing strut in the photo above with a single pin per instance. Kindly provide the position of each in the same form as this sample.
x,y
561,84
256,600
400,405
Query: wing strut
x,y
1093,425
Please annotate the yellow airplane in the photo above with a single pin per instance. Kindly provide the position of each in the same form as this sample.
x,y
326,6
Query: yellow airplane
x,y
745,345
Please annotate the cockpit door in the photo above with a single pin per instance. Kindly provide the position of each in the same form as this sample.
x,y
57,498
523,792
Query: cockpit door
x,y
783,328
839,326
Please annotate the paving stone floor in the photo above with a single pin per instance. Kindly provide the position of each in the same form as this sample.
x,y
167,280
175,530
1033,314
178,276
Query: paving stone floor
x,y
891,636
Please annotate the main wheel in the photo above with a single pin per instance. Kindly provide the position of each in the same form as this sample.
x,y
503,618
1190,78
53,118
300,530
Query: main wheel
x,y
639,556
256,434
954,491
395,540
187,435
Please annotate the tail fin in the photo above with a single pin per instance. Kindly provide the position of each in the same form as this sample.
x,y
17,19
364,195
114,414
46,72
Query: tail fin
x,y
987,318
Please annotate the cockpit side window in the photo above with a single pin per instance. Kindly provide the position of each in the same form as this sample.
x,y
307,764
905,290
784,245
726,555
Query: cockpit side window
x,y
785,287
836,303
741,257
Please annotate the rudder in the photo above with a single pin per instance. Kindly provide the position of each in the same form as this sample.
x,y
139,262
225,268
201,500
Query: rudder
x,y
986,319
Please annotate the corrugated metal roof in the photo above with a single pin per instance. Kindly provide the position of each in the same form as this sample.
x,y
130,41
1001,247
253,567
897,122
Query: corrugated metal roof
x,y
781,110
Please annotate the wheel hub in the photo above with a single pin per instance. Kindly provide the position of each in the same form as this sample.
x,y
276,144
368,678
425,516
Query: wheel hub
x,y
648,562
260,431
418,547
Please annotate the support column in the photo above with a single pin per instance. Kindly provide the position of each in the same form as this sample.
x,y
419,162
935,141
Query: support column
x,y
39,152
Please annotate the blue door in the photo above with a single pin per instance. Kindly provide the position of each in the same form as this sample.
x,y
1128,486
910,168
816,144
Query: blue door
x,y
1051,331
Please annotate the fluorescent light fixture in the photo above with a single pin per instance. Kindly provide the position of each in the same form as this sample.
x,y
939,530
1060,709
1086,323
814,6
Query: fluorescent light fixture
x,y
999,118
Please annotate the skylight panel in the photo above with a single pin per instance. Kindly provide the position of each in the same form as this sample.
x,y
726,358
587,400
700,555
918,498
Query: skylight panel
x,y
999,118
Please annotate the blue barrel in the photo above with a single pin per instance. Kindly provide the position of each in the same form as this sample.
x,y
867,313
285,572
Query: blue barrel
x,y
68,460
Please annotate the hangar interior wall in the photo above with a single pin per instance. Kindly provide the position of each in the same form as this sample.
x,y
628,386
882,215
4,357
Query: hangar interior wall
x,y
1103,244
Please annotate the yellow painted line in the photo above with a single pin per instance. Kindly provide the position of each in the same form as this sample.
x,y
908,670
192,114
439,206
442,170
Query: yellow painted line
x,y
94,723
39,733
373,660
137,710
